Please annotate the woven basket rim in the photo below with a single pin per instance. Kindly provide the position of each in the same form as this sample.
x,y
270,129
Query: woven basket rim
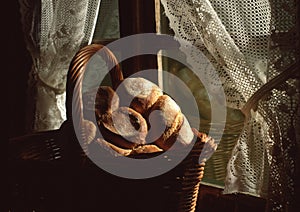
x,y
193,171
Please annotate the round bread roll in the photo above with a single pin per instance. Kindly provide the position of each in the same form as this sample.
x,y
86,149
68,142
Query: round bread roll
x,y
106,101
209,145
138,93
124,127
165,120
99,101
88,101
112,148
89,131
127,152
185,135
148,148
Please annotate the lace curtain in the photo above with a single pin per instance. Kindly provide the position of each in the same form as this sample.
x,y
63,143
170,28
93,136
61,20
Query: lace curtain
x,y
54,31
252,45
108,26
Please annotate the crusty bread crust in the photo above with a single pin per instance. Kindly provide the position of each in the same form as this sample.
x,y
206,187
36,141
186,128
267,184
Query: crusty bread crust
x,y
107,100
124,127
138,93
151,118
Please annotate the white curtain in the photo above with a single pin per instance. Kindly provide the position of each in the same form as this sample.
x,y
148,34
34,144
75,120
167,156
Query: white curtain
x,y
252,46
54,31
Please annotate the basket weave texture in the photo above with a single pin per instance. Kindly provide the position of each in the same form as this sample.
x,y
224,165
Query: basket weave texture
x,y
86,185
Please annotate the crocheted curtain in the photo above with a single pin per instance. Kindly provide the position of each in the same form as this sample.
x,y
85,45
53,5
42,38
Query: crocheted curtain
x,y
54,31
252,45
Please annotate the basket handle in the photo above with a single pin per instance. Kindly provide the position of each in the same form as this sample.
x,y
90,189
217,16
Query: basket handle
x,y
75,75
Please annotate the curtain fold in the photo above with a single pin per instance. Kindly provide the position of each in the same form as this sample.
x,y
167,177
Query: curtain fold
x,y
54,31
249,43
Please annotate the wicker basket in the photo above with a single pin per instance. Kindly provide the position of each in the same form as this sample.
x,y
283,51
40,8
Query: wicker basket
x,y
188,173
87,186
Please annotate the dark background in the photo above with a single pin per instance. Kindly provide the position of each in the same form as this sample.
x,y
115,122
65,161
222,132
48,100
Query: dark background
x,y
18,68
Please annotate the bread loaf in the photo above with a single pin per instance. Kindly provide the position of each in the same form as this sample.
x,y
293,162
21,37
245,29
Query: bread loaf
x,y
138,93
89,131
185,134
99,101
165,119
124,127
153,121
106,101
148,148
